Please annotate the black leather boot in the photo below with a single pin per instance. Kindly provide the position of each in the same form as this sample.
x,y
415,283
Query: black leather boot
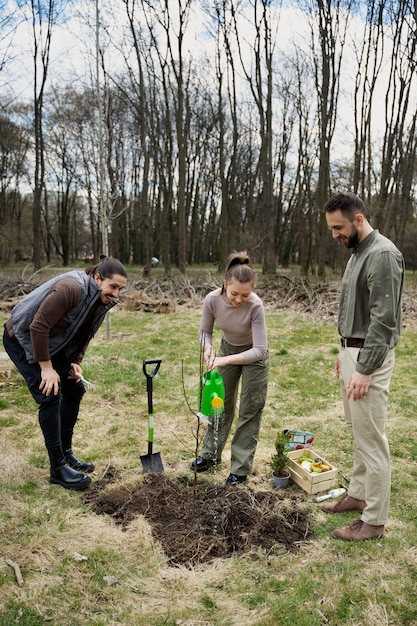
x,y
62,474
71,459
202,465
77,464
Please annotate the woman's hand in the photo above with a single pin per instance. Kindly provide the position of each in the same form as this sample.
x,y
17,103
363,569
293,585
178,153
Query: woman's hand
x,y
212,361
209,356
232,359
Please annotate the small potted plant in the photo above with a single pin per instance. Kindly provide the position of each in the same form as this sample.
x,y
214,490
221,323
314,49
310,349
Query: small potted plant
x,y
279,460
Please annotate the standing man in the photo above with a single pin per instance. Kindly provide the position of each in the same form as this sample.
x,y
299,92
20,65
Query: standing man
x,y
369,325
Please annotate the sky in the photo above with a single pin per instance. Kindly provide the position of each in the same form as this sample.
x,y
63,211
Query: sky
x,y
73,48
73,43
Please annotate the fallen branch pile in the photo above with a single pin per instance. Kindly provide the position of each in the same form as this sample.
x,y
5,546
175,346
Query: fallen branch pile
x,y
163,294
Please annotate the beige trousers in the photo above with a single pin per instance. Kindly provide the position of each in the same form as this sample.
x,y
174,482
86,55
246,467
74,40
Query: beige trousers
x,y
365,420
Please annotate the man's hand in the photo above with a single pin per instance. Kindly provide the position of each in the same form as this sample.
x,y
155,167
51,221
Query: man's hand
x,y
49,379
75,372
358,386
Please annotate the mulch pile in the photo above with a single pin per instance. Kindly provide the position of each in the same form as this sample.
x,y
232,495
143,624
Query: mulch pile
x,y
197,523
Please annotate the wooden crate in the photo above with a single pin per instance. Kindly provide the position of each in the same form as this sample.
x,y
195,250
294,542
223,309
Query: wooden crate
x,y
311,482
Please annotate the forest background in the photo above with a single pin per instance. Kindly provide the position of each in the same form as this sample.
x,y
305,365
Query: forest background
x,y
184,129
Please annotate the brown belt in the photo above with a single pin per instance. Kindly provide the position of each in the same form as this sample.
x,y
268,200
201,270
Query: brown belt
x,y
351,342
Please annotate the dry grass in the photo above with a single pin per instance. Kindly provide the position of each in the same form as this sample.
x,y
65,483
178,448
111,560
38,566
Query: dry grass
x,y
66,552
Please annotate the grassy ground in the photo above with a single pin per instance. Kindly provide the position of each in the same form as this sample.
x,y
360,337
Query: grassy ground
x,y
66,552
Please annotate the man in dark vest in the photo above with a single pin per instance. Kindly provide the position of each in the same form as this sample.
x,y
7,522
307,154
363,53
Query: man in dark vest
x,y
46,338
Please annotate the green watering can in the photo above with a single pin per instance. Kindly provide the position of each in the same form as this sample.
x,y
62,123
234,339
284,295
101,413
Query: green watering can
x,y
210,396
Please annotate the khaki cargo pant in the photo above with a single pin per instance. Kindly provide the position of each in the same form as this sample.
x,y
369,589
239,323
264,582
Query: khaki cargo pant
x,y
254,385
365,420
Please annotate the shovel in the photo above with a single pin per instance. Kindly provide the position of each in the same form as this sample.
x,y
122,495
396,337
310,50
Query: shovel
x,y
151,462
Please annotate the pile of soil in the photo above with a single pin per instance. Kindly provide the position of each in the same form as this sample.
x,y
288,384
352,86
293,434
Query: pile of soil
x,y
196,523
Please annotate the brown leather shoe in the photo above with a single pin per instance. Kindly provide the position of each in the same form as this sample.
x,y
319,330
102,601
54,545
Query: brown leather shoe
x,y
359,531
347,503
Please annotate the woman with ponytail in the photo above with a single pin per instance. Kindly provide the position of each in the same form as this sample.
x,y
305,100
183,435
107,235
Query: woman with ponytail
x,y
46,338
243,357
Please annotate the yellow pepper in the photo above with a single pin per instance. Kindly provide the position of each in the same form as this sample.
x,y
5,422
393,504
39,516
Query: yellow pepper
x,y
319,466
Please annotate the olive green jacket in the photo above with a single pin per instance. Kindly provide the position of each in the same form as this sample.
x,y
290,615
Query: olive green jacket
x,y
370,299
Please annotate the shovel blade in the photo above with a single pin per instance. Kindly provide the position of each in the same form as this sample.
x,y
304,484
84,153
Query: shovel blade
x,y
152,463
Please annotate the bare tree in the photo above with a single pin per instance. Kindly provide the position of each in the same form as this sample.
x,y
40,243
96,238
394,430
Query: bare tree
x,y
139,99
395,202
260,84
171,20
329,21
7,27
43,15
226,102
62,163
294,181
369,55
14,148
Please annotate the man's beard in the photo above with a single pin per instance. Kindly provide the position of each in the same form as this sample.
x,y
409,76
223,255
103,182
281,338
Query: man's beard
x,y
353,240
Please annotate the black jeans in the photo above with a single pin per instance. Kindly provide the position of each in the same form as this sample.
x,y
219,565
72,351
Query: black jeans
x,y
57,414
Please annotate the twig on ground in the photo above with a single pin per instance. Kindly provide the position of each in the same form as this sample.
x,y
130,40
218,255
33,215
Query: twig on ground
x,y
105,471
17,571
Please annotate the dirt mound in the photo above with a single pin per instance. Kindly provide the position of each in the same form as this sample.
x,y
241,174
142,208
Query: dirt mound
x,y
195,524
